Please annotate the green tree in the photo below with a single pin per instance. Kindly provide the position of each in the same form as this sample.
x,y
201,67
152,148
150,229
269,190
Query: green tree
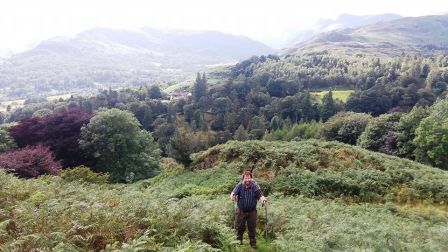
x,y
307,109
276,123
328,106
231,121
218,122
121,148
407,127
381,134
198,121
374,101
241,134
353,126
143,113
184,143
199,88
181,146
6,141
290,108
257,127
147,119
410,96
432,136
221,105
188,111
180,105
154,92
346,126
332,125
163,130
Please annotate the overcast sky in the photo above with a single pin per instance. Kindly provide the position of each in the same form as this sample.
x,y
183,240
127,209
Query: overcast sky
x,y
24,23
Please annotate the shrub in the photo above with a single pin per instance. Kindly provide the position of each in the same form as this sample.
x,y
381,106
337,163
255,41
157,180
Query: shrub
x,y
183,143
84,174
299,131
30,162
346,126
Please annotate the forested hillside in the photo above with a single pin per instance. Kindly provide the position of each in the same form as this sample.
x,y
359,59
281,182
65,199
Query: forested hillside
x,y
103,58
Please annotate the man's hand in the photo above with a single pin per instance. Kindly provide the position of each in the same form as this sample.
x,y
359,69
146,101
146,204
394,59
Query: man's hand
x,y
232,197
264,201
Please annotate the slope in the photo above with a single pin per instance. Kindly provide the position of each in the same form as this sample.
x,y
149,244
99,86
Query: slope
x,y
190,210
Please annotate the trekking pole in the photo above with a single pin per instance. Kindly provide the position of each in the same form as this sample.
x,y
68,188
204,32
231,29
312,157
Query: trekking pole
x,y
234,215
266,229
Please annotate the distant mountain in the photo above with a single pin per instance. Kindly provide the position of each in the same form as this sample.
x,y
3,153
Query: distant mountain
x,y
104,57
413,35
343,21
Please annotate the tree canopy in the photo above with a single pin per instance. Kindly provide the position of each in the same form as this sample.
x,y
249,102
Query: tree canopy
x,y
124,150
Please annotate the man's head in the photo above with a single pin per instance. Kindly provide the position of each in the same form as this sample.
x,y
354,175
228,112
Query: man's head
x,y
247,177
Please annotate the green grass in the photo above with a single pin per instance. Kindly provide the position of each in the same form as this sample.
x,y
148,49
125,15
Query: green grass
x,y
20,103
57,97
13,103
212,80
180,85
341,95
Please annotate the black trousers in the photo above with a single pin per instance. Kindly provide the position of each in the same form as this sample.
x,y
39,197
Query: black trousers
x,y
251,219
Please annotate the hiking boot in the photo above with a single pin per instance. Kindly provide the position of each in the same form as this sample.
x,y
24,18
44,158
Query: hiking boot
x,y
254,246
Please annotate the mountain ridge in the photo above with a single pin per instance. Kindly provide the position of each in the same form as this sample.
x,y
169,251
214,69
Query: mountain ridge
x,y
118,57
415,35
343,21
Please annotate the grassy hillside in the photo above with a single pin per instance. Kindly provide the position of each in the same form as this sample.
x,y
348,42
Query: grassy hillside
x,y
330,170
311,189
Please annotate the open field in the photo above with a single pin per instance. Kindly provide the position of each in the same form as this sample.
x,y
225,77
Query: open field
x,y
341,95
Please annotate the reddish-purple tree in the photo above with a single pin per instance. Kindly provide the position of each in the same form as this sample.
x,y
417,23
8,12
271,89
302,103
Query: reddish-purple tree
x,y
30,162
59,131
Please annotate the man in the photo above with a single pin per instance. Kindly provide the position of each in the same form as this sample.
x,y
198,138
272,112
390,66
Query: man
x,y
247,194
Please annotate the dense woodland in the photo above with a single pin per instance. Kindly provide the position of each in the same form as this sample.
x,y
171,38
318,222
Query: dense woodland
x,y
392,109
